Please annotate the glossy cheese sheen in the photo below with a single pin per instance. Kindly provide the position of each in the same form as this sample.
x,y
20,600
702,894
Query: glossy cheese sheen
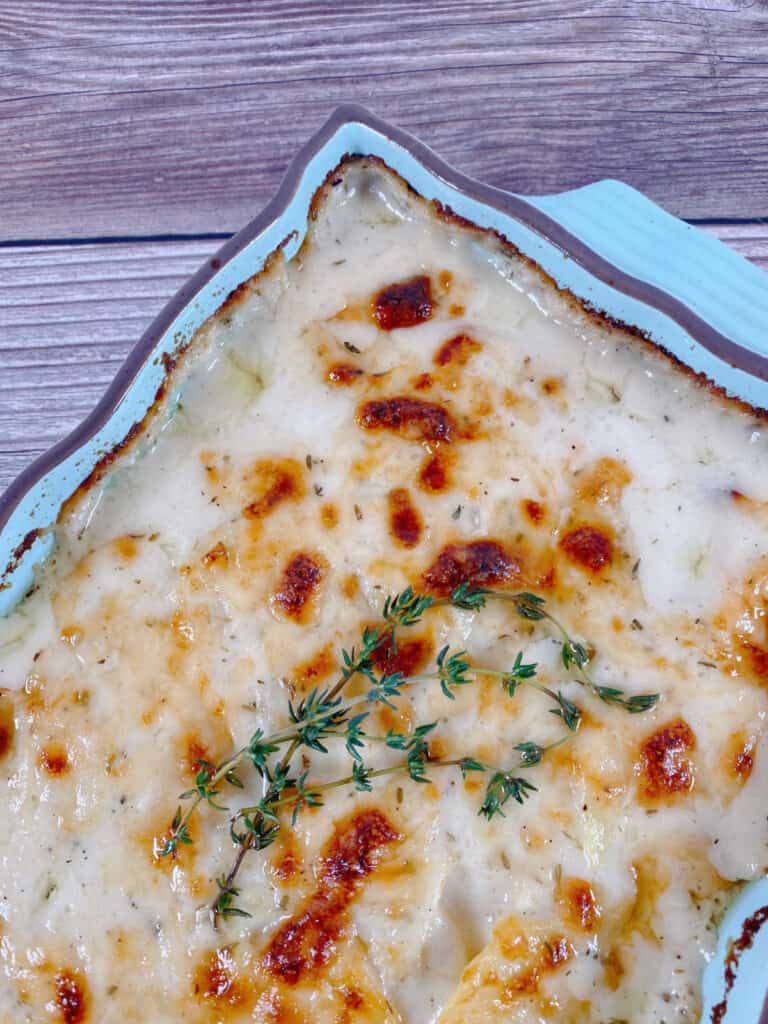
x,y
405,402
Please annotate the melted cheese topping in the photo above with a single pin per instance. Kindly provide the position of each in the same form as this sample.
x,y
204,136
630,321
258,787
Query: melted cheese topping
x,y
405,402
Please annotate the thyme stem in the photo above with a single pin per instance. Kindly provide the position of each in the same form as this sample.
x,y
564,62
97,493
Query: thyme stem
x,y
323,715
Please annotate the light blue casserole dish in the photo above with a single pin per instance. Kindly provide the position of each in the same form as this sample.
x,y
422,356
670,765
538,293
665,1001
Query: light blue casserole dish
x,y
606,243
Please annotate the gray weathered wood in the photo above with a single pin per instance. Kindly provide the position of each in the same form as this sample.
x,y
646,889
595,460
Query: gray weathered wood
x,y
156,117
69,314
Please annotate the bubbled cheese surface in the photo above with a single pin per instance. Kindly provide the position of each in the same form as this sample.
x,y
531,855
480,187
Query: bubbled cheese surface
x,y
321,449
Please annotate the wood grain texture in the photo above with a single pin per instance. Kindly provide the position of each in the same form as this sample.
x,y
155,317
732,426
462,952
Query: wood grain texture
x,y
153,117
69,315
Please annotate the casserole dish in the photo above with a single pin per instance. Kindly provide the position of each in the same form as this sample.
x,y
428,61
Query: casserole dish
x,y
701,303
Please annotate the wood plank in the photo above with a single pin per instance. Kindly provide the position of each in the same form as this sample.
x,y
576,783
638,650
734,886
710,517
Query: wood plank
x,y
69,315
151,118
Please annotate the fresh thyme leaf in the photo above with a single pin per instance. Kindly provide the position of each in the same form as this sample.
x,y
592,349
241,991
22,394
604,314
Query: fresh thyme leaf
x,y
305,797
416,765
573,653
519,673
396,740
258,833
405,609
568,711
203,789
355,735
418,752
354,662
259,750
469,597
640,702
531,753
179,836
361,777
503,787
635,704
386,689
315,716
224,904
324,716
452,671
522,670
234,779
529,606
469,764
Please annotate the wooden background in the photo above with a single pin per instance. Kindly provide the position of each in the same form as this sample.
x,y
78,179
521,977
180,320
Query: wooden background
x,y
135,136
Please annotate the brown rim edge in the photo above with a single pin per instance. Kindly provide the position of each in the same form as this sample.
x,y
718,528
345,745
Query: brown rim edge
x,y
519,209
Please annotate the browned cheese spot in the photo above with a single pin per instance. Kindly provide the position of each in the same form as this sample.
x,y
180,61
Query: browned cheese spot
x,y
744,622
343,374
405,522
54,759
216,980
72,999
435,472
411,418
665,768
182,630
422,382
740,756
353,999
530,958
286,861
603,482
457,350
404,304
329,515
193,754
580,907
407,656
7,727
589,547
534,511
273,482
312,671
298,584
218,555
551,386
308,941
557,951
481,562
126,547
72,635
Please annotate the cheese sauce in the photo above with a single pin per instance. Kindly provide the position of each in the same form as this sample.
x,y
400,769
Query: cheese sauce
x,y
405,402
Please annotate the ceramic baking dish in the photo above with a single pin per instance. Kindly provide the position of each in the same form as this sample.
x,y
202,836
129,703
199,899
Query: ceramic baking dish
x,y
609,245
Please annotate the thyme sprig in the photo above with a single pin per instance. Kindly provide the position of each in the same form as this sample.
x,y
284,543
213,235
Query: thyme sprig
x,y
417,765
324,716
574,655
